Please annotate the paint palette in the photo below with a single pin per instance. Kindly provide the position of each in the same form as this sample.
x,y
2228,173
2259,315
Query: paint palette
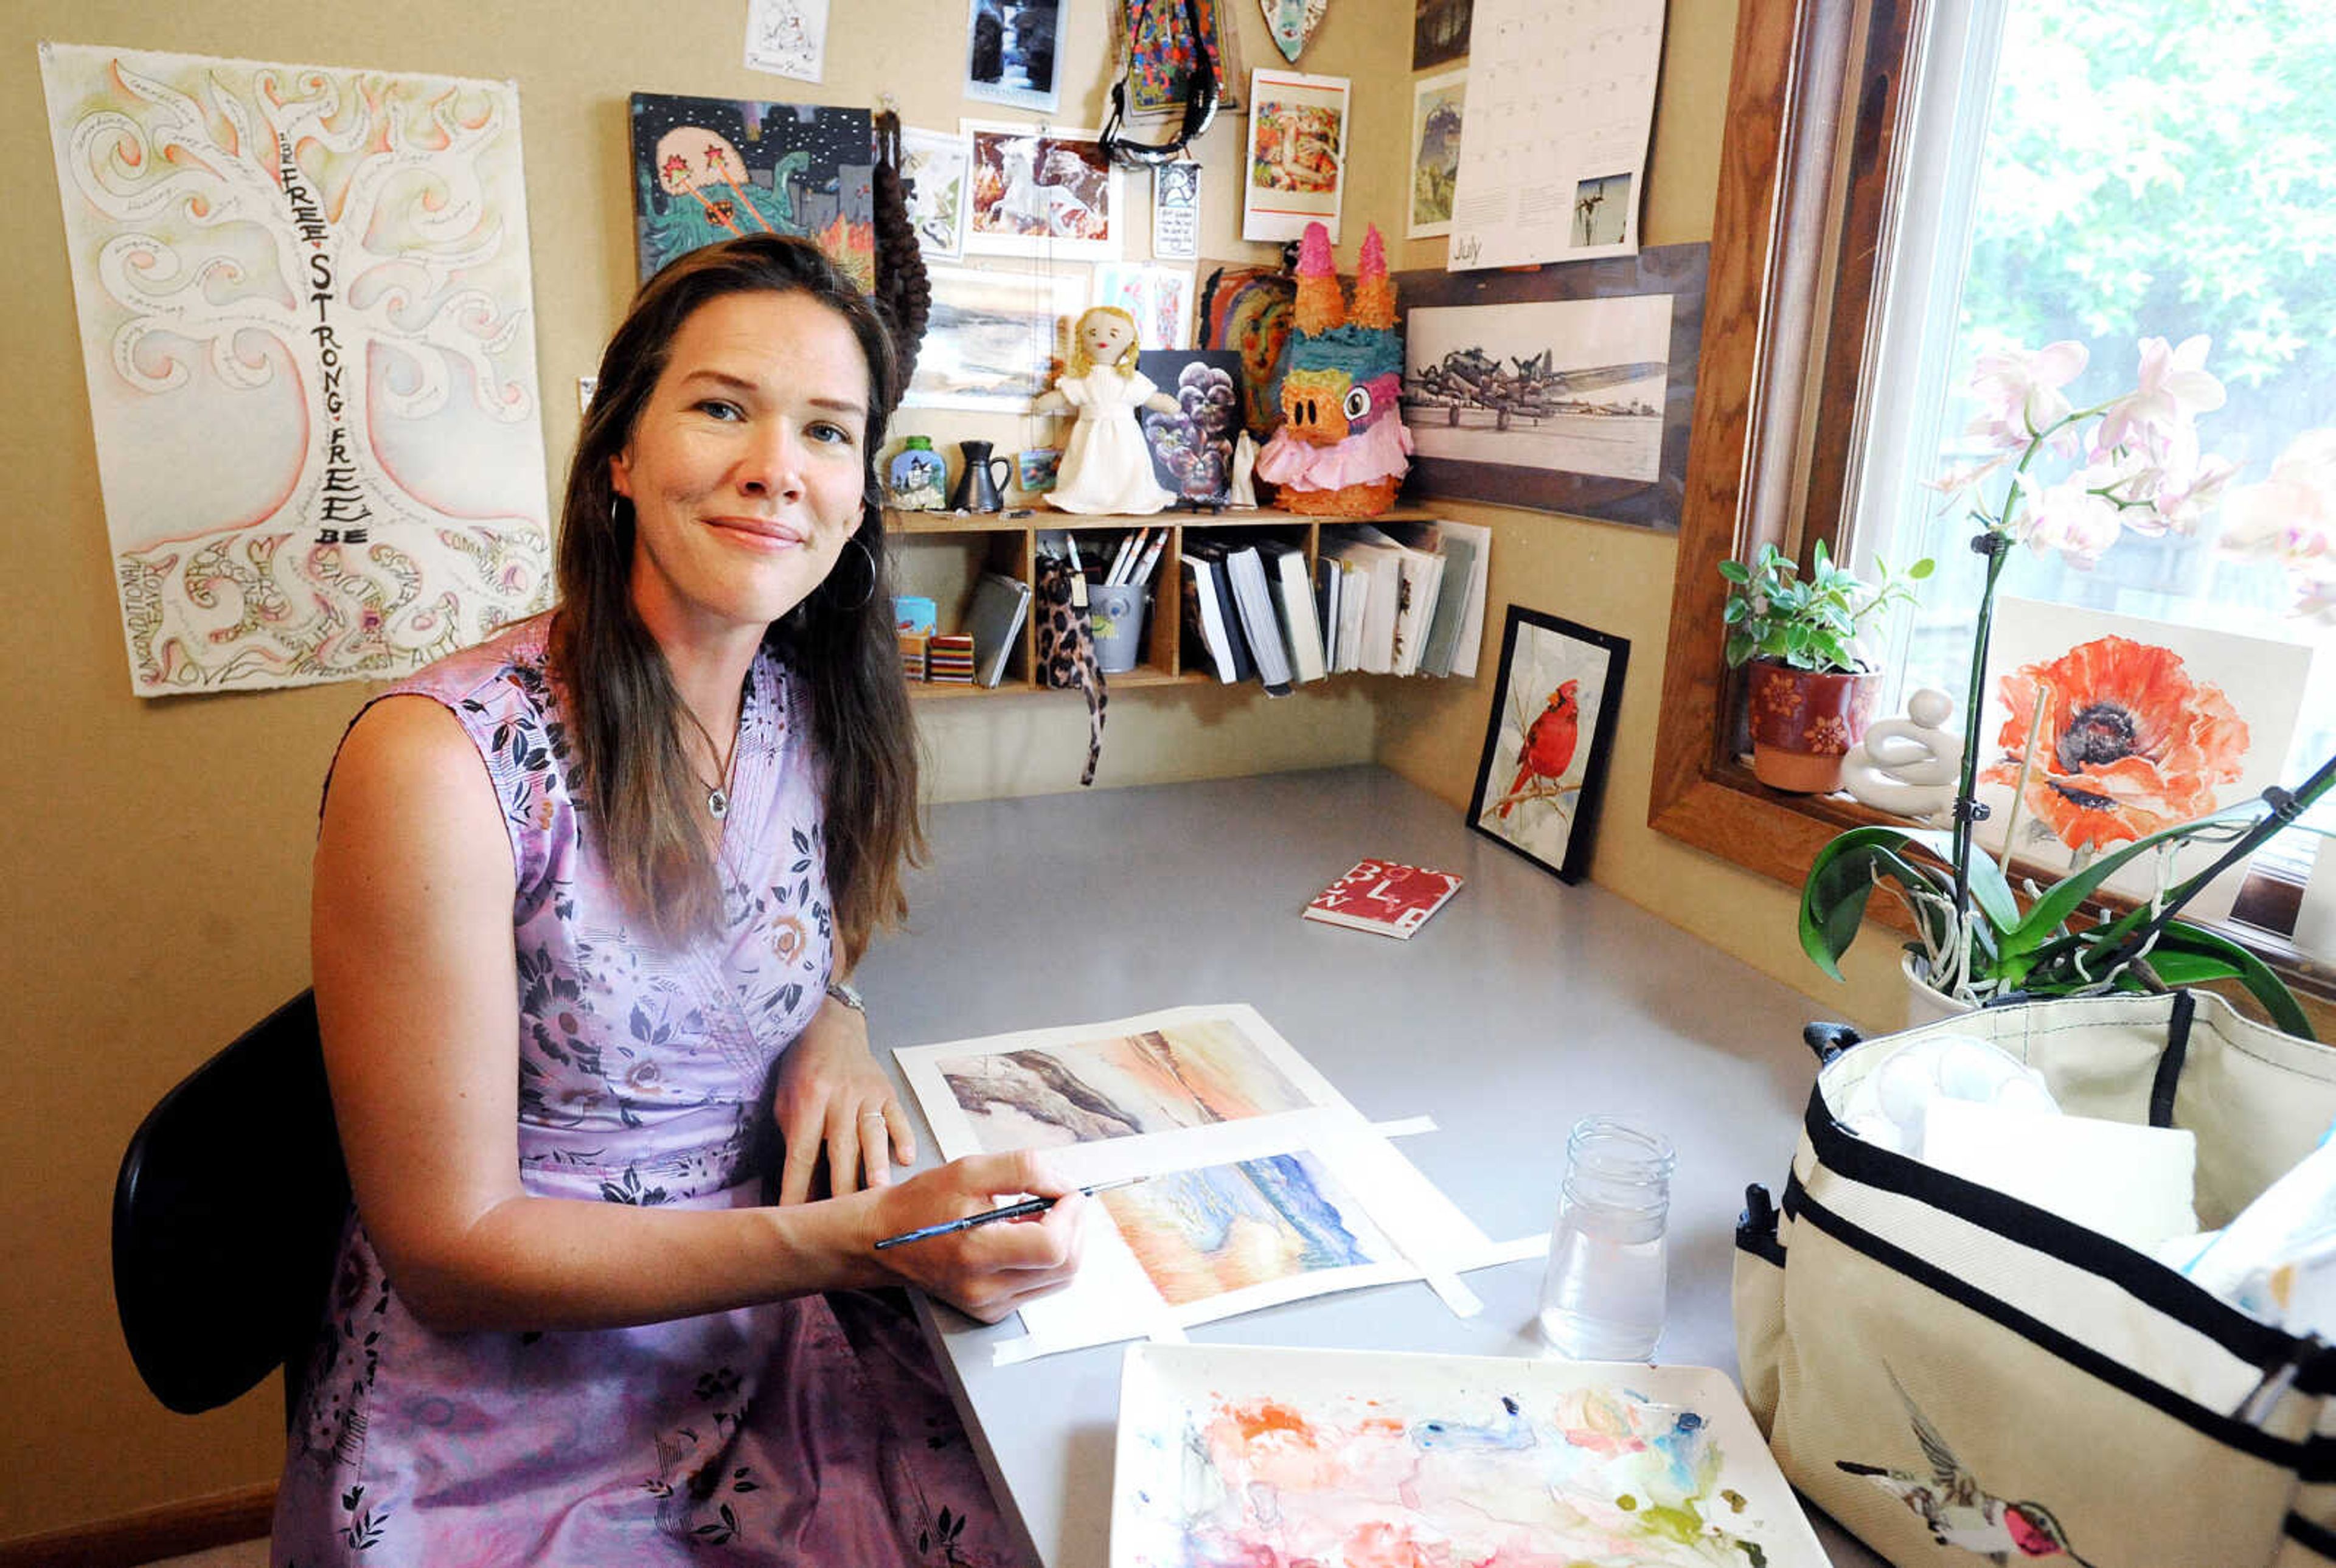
x,y
1255,1454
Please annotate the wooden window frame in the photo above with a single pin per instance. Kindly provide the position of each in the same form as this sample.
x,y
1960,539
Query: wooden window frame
x,y
1817,108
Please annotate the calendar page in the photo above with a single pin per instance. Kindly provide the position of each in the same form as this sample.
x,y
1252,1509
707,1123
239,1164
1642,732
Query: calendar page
x,y
1561,102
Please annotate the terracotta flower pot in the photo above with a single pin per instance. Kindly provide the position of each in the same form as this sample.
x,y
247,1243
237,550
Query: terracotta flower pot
x,y
1804,721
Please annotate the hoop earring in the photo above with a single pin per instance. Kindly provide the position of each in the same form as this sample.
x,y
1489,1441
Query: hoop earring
x,y
868,592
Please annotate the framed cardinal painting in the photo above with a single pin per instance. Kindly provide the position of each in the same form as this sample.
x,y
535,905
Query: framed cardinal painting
x,y
1548,740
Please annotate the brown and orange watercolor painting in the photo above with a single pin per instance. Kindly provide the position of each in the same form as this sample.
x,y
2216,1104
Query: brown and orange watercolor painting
x,y
1189,1074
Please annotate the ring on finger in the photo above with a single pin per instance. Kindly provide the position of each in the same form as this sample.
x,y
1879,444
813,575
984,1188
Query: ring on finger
x,y
871,1116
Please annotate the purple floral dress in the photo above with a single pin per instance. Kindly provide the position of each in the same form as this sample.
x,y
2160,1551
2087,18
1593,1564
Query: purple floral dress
x,y
811,1431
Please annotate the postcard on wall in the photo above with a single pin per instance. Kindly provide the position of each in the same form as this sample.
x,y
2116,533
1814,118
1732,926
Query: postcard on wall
x,y
2142,725
1177,211
787,37
1540,1461
1043,192
1560,104
1435,113
707,168
308,476
1010,51
935,168
1159,297
992,337
1297,160
1439,31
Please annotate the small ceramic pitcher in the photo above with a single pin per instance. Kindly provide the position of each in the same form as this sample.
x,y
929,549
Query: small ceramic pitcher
x,y
979,486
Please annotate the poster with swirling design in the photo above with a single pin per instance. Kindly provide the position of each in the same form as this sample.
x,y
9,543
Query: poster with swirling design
x,y
308,332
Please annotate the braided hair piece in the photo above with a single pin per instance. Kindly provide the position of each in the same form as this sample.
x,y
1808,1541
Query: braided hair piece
x,y
904,296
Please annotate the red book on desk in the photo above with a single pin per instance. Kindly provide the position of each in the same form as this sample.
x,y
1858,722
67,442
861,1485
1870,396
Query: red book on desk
x,y
1383,896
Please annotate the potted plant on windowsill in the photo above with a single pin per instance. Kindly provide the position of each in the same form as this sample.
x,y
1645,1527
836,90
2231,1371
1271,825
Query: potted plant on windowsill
x,y
1809,694
2134,463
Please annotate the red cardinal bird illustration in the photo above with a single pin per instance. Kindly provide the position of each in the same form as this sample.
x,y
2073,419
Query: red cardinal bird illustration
x,y
1549,745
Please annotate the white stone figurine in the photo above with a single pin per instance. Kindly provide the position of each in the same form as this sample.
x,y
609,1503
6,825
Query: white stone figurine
x,y
1242,492
1106,464
1908,766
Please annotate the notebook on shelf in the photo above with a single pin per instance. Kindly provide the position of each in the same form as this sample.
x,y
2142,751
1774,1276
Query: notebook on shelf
x,y
1000,603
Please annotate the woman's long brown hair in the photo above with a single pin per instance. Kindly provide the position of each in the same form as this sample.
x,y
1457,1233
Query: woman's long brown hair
x,y
643,801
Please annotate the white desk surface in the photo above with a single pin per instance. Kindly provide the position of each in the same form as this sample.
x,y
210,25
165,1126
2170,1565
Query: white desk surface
x,y
1522,1005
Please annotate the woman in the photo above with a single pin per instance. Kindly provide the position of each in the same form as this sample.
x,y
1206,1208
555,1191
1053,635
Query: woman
x,y
580,895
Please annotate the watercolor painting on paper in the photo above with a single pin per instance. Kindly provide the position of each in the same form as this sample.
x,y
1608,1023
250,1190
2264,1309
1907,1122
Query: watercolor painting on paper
x,y
1241,1453
1202,1233
2127,725
307,330
1184,1075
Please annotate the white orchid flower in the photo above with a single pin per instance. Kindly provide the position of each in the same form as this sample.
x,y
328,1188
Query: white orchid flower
x,y
2070,517
2172,390
2291,518
2019,390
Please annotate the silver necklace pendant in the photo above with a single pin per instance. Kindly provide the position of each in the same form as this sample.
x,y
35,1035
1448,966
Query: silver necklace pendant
x,y
717,804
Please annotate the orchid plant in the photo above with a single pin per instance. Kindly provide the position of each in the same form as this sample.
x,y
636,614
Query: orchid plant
x,y
2057,477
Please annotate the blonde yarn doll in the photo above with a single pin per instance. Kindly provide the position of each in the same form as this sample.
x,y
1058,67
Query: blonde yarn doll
x,y
1106,466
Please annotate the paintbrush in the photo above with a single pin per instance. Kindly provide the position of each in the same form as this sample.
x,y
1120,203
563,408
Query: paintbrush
x,y
1022,1210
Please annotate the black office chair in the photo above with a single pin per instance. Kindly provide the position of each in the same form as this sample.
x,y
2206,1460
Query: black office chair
x,y
226,1216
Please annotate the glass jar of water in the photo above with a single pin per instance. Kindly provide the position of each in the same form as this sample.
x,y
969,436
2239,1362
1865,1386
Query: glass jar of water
x,y
1602,1298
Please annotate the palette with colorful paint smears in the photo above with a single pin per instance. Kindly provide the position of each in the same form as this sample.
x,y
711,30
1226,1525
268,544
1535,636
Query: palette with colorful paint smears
x,y
1255,1454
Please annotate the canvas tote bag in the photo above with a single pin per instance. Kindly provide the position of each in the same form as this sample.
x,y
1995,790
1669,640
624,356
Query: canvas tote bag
x,y
1957,1376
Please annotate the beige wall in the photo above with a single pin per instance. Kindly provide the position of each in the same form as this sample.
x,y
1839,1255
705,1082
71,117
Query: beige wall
x,y
1618,579
155,853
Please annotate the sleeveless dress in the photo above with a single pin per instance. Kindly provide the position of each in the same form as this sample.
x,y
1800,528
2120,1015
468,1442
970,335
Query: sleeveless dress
x,y
1106,467
808,1431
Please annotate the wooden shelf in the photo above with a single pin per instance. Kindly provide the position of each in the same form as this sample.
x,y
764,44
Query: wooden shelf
x,y
941,555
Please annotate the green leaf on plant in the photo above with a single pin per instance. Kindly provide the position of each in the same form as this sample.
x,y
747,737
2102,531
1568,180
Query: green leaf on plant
x,y
2065,897
2179,944
1841,880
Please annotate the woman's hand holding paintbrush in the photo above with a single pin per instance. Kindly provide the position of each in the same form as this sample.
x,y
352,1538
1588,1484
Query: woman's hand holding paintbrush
x,y
1018,1210
944,1231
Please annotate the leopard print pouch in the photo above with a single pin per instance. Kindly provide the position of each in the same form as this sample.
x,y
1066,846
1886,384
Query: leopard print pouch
x,y
1066,658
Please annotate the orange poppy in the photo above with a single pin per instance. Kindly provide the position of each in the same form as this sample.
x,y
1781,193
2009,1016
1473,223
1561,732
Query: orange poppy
x,y
2128,742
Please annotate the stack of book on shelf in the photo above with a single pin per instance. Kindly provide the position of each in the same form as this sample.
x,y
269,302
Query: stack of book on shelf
x,y
1230,611
948,658
1405,598
994,620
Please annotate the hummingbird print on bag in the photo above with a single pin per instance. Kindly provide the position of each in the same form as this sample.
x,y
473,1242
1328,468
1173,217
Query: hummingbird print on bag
x,y
1960,1513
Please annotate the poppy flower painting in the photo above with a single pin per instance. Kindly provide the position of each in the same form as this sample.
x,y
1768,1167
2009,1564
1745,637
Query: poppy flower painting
x,y
2128,725
2127,742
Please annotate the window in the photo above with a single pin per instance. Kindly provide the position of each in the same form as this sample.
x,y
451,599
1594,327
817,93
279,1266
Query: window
x,y
1824,137
2102,171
